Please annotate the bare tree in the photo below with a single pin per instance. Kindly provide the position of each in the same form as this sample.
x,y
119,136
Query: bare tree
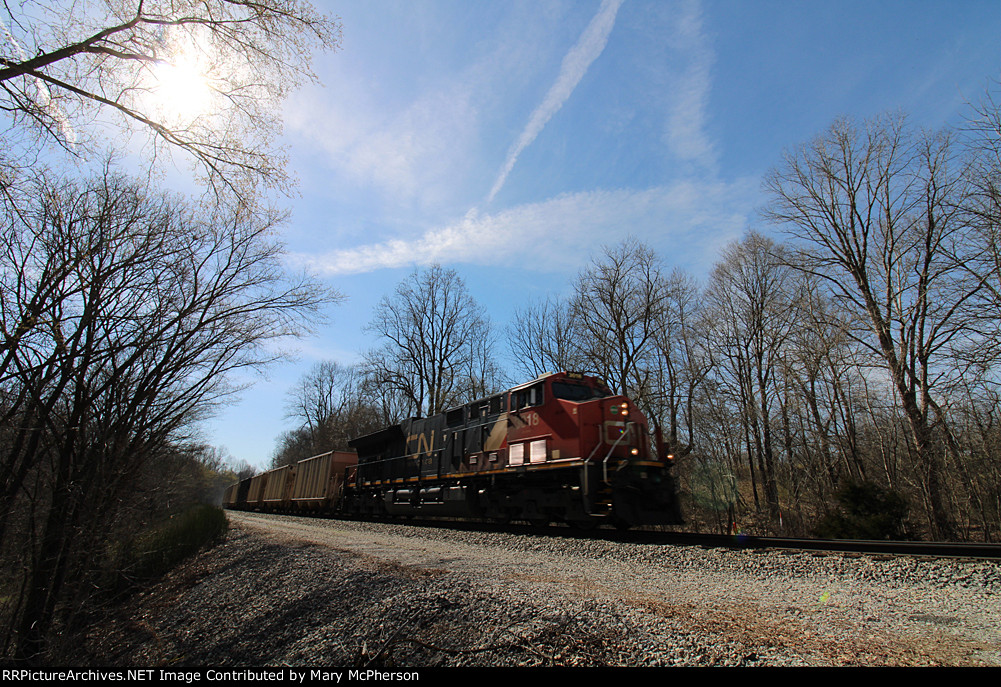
x,y
200,77
984,173
544,337
983,202
629,323
822,368
680,365
877,211
481,376
438,346
618,305
332,405
751,293
123,313
122,310
327,389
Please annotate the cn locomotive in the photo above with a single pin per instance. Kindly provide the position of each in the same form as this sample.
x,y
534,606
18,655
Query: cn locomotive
x,y
561,448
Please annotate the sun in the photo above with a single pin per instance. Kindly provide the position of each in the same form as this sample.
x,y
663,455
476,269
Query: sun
x,y
181,92
178,88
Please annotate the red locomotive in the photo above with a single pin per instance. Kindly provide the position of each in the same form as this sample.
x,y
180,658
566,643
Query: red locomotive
x,y
559,448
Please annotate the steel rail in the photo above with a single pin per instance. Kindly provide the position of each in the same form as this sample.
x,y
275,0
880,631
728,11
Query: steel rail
x,y
972,550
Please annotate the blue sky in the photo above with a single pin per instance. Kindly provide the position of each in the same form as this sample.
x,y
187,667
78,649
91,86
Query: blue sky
x,y
512,140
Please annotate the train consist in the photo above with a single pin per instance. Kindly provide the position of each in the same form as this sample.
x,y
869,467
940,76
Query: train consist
x,y
561,448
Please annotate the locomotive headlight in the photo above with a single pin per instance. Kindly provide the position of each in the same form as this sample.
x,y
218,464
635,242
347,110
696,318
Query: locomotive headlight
x,y
635,452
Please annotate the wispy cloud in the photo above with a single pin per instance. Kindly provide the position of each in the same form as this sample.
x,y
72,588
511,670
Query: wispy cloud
x,y
408,153
691,215
685,218
575,65
685,129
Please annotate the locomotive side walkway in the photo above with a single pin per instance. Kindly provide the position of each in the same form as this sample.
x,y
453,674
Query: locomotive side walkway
x,y
310,592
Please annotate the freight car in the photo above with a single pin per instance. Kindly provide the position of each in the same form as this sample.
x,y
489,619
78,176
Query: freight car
x,y
559,448
316,484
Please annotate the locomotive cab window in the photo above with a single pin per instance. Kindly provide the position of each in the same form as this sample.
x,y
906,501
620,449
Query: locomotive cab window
x,y
571,391
535,395
532,396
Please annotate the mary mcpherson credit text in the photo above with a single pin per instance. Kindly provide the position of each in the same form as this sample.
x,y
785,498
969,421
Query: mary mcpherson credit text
x,y
211,675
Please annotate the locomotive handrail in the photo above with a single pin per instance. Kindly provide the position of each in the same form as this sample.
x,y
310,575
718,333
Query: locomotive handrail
x,y
587,462
604,463
599,444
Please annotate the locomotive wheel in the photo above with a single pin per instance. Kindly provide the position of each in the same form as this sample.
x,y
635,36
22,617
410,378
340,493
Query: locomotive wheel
x,y
538,522
621,525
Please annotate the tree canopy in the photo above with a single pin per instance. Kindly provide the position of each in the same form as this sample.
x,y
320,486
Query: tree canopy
x,y
124,310
202,78
437,349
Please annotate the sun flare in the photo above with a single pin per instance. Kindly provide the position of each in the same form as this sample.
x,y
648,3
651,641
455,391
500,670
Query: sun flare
x,y
181,90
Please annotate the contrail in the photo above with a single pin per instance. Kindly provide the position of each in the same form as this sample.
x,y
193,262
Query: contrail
x,y
575,65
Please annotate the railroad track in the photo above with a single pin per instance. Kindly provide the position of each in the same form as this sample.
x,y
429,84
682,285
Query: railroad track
x,y
741,541
897,548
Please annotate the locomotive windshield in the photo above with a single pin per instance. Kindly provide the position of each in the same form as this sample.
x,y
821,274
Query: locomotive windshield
x,y
569,391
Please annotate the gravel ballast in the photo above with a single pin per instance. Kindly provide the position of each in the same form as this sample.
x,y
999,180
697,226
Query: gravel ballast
x,y
312,592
